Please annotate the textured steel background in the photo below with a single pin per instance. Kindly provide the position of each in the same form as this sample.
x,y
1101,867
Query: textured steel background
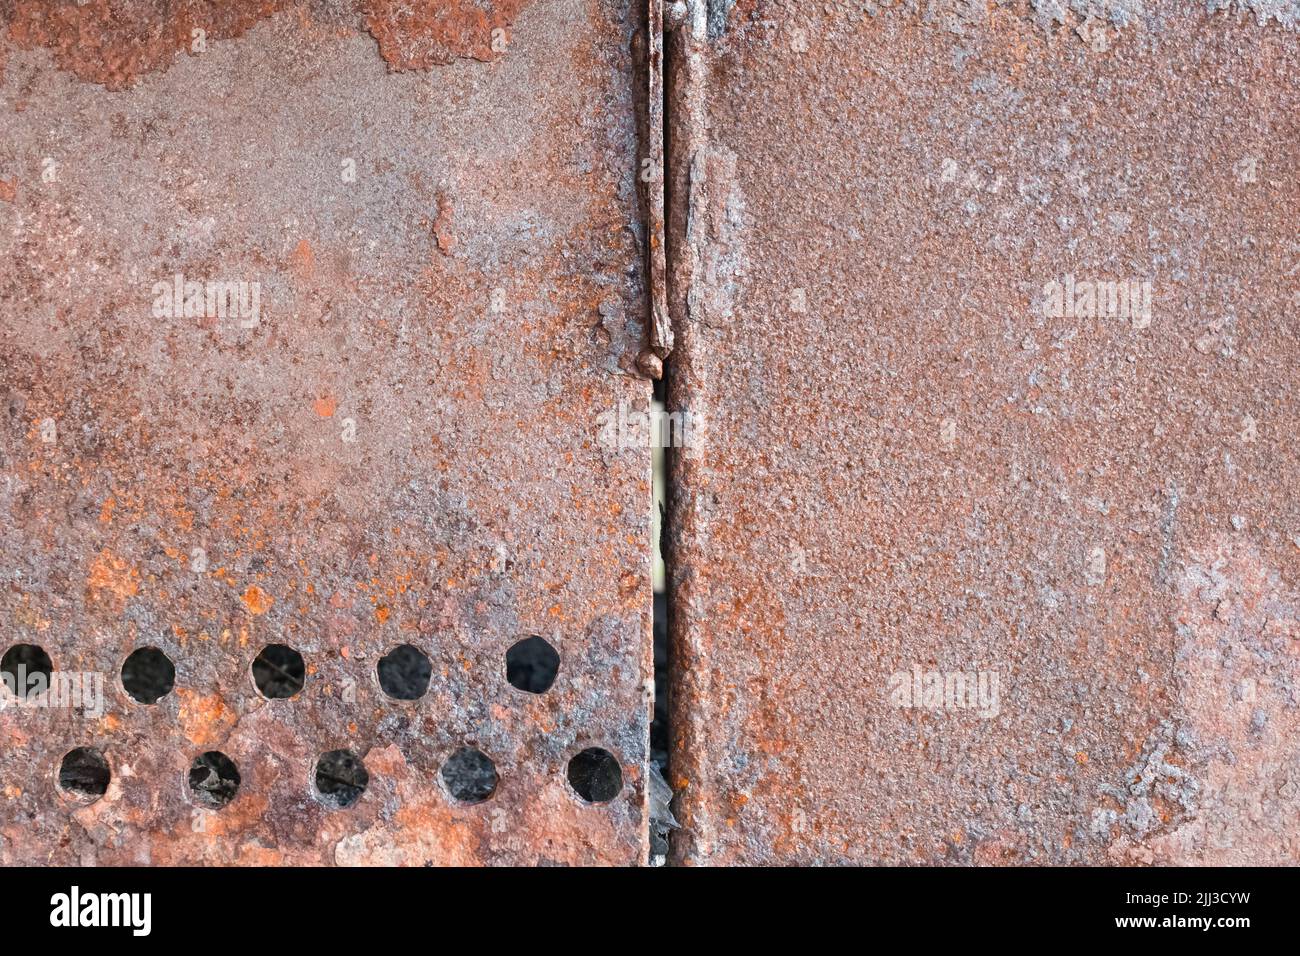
x,y
907,463
461,311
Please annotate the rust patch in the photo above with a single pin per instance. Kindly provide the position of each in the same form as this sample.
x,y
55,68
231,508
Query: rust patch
x,y
256,600
303,260
325,406
416,36
110,573
205,719
1236,796
115,42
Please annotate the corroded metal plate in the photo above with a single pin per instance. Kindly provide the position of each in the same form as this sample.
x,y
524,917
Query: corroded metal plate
x,y
387,435
917,465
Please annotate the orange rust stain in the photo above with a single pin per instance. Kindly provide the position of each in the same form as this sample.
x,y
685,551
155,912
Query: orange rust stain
x,y
113,42
325,406
303,260
236,818
110,573
381,614
416,36
204,718
106,512
256,600
251,854
8,190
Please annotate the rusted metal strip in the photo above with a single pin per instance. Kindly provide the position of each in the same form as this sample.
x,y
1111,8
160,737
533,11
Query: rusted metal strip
x,y
651,178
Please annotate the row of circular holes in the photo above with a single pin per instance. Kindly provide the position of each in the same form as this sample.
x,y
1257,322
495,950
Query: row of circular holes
x,y
341,777
279,671
148,675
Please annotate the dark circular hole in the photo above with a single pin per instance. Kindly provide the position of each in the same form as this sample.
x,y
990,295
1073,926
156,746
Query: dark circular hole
x,y
341,779
595,775
279,671
470,775
84,774
532,664
214,779
148,675
404,673
26,669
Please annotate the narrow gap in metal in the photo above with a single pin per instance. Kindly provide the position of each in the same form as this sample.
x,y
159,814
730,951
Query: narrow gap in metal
x,y
660,732
661,818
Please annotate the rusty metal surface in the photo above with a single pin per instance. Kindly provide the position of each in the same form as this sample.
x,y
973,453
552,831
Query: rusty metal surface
x,y
651,177
398,447
912,463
